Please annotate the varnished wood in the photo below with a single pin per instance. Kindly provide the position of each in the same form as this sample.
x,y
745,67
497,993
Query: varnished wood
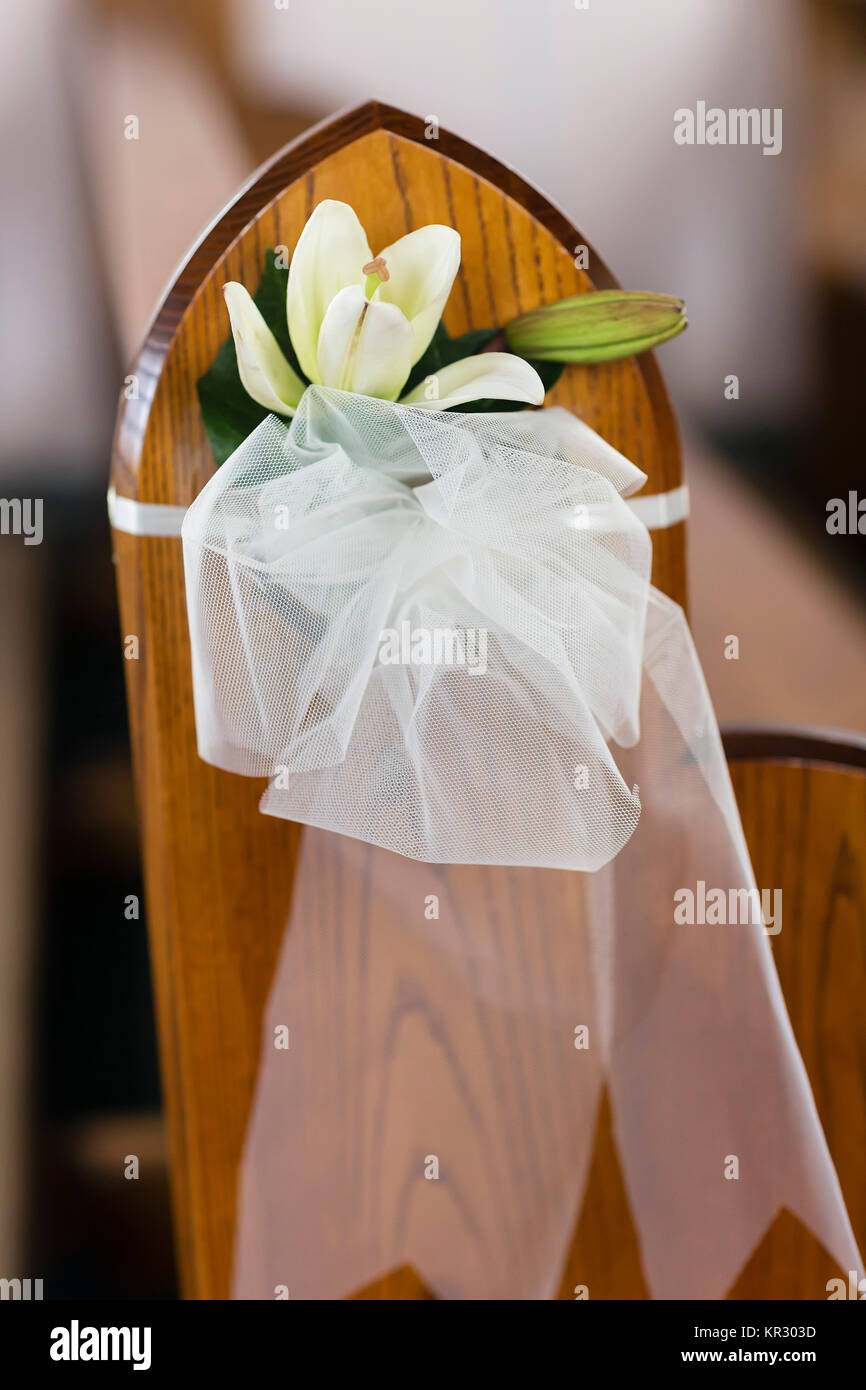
x,y
518,252
805,824
749,743
218,874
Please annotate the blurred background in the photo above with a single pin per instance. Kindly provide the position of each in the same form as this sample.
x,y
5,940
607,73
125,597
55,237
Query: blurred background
x,y
768,252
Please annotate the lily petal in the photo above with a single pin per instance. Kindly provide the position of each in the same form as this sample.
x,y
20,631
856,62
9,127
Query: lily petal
x,y
331,253
422,266
495,376
264,371
364,346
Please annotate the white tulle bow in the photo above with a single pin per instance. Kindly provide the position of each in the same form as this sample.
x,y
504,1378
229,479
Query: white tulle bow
x,y
435,1008
424,629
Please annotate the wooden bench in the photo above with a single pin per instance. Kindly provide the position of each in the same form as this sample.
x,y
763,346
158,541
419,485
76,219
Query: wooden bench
x,y
218,873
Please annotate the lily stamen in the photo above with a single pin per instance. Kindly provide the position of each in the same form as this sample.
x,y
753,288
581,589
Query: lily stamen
x,y
378,266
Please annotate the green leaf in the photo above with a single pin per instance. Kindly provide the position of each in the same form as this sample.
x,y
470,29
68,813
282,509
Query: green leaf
x,y
442,351
229,414
271,299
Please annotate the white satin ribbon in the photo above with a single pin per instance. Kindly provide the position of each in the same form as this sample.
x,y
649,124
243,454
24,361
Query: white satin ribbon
x,y
657,511
143,518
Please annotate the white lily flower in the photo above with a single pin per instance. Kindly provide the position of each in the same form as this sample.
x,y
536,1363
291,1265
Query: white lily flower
x,y
264,371
495,376
351,315
364,346
360,323
420,267
330,255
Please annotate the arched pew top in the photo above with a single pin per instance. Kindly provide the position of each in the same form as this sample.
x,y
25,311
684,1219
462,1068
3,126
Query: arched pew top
x,y
518,252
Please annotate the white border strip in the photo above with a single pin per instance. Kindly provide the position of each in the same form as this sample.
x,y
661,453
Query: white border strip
x,y
661,509
144,518
658,511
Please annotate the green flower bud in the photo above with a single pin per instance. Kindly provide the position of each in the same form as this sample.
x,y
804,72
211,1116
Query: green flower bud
x,y
597,327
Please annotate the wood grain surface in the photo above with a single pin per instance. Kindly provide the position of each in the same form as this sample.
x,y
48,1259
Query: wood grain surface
x,y
802,799
805,825
219,874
